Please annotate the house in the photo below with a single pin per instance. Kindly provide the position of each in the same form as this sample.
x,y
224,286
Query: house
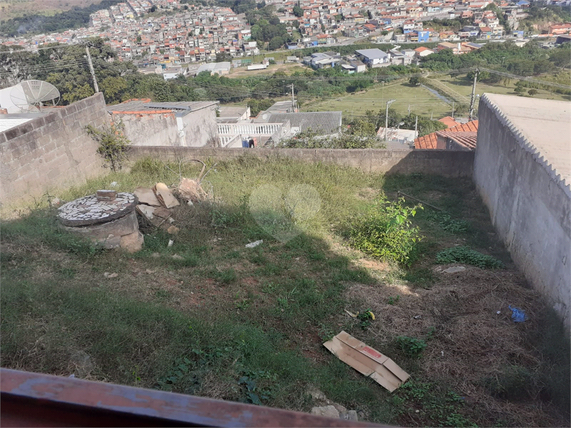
x,y
186,123
322,122
233,114
422,36
323,59
422,52
220,68
557,29
449,121
173,73
374,57
464,140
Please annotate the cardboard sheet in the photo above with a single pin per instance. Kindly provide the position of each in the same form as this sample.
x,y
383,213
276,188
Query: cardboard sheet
x,y
367,361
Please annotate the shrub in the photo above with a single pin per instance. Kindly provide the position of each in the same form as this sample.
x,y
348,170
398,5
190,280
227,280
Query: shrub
x,y
512,383
386,231
468,256
411,346
113,144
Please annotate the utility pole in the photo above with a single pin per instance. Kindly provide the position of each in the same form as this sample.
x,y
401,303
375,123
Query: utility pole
x,y
416,128
409,109
452,109
95,86
473,97
389,102
292,100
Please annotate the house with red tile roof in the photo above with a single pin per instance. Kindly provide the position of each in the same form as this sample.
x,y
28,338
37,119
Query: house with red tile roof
x,y
449,121
466,138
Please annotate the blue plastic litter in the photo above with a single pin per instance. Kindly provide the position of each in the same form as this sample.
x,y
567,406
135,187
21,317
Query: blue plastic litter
x,y
518,315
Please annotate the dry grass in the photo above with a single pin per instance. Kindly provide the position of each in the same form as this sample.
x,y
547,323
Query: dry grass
x,y
265,312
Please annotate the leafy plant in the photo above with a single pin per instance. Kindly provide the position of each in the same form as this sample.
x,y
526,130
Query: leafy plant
x,y
436,405
392,300
386,231
411,346
253,391
512,383
446,222
113,144
468,256
365,317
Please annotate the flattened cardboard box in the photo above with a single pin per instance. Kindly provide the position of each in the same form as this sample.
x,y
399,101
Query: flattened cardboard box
x,y
367,361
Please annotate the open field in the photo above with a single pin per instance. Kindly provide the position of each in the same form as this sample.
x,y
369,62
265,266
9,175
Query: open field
x,y
420,100
464,87
247,324
14,8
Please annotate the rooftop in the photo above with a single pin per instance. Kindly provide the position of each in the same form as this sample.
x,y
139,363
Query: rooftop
x,y
323,121
466,139
429,141
546,124
145,105
372,53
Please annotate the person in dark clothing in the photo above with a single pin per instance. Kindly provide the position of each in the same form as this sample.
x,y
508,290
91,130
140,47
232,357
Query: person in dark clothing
x,y
251,143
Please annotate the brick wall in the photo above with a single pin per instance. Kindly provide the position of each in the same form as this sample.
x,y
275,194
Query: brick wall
x,y
51,151
440,162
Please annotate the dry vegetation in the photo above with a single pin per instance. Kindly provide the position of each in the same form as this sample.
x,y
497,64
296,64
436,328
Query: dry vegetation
x,y
219,312
13,8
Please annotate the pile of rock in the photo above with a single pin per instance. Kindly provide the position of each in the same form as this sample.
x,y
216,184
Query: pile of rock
x,y
155,206
330,409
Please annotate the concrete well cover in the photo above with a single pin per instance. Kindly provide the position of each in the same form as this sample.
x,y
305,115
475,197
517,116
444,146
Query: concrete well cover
x,y
88,210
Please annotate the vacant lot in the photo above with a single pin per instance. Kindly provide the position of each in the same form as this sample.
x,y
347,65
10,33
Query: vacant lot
x,y
420,101
225,321
463,87
13,8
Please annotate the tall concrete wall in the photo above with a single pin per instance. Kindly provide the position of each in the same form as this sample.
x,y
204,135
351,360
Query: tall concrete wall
x,y
150,128
200,127
439,162
163,128
530,206
51,151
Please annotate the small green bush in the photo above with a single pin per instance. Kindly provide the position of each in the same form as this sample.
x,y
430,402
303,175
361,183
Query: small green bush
x,y
386,231
468,256
411,346
513,383
113,144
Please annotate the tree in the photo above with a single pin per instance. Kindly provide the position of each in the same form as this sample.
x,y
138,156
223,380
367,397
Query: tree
x,y
223,56
414,81
276,43
113,89
153,9
298,11
532,92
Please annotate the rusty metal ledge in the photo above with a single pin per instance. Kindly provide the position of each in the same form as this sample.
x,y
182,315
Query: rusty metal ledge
x,y
34,399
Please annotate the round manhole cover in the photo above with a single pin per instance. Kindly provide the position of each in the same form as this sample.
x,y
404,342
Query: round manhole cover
x,y
88,210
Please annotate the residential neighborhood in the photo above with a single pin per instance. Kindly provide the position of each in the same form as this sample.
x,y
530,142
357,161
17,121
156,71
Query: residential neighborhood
x,y
166,36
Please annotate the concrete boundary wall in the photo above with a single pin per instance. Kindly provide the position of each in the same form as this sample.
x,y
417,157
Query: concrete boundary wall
x,y
51,151
439,162
529,204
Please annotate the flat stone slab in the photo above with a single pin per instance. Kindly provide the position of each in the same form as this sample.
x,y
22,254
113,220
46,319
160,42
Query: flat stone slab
x,y
88,211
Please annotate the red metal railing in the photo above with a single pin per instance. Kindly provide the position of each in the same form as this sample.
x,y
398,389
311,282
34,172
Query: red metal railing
x,y
34,399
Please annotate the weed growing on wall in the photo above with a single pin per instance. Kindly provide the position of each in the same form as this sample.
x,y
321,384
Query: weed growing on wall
x,y
468,256
386,231
112,144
